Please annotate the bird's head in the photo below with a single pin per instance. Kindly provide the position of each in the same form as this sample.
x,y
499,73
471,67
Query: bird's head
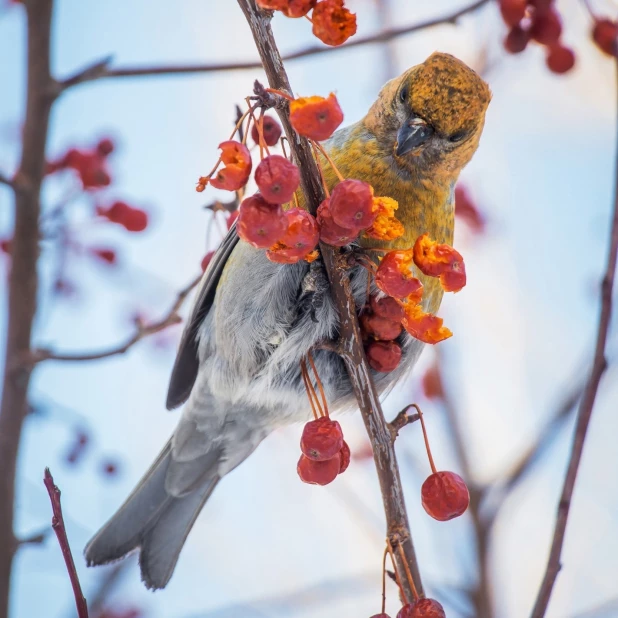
x,y
431,117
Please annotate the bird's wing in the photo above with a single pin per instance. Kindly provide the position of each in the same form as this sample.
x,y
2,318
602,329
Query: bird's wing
x,y
187,362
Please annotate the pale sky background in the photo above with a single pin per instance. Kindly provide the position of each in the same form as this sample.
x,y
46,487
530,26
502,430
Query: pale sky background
x,y
266,545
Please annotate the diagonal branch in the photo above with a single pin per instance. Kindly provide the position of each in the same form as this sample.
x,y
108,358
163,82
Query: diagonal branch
x,y
398,528
583,414
101,70
169,319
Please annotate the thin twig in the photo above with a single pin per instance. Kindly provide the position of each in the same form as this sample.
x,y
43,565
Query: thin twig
x,y
169,319
398,528
100,70
63,541
34,539
5,180
401,420
583,414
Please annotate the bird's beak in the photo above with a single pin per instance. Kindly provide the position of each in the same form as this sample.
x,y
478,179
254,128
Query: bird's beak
x,y
412,134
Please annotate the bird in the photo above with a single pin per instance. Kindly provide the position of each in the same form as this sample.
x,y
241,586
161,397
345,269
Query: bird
x,y
237,369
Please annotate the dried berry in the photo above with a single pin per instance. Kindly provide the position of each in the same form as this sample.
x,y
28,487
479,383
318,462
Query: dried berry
x,y
387,307
425,327
277,178
386,226
330,232
406,611
260,223
351,205
444,495
394,276
380,328
298,8
383,356
318,472
345,455
299,240
316,117
440,260
322,439
333,24
237,160
427,608
271,131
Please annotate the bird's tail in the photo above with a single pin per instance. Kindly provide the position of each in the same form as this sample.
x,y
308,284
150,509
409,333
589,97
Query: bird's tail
x,y
154,521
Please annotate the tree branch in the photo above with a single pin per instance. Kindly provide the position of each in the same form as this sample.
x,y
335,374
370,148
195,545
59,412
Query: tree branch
x,y
398,529
63,541
23,281
583,414
101,70
169,319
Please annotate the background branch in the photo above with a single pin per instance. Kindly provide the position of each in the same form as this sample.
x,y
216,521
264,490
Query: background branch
x,y
398,528
584,413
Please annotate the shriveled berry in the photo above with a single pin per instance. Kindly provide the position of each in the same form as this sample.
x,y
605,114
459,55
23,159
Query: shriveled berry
x,y
381,615
318,472
394,276
380,328
513,11
427,608
237,160
516,40
345,457
425,327
444,495
300,239
560,59
316,117
322,439
260,223
387,307
298,8
333,24
440,260
605,35
546,28
383,356
330,232
406,611
277,178
271,131
351,204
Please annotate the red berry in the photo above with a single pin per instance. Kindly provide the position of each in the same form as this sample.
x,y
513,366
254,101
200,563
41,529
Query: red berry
x,y
271,130
444,495
259,223
387,307
427,608
298,8
322,439
605,35
351,205
516,40
5,245
541,5
105,255
105,147
206,260
383,356
513,11
333,24
406,611
381,615
277,178
272,5
560,59
237,160
109,468
318,472
345,457
380,328
546,28
116,212
432,383
394,276
135,220
330,232
300,238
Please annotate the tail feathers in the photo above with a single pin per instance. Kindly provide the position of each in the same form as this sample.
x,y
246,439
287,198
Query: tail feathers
x,y
152,520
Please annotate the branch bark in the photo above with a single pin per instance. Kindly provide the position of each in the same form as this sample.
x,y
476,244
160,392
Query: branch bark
x,y
584,412
23,281
398,528
101,70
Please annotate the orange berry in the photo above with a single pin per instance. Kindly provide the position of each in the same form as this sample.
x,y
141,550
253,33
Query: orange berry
x,y
333,24
316,117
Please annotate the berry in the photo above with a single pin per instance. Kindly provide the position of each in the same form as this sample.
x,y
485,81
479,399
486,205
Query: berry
x,y
560,59
277,179
380,328
351,205
271,131
466,209
330,232
105,147
318,472
440,260
431,383
387,307
316,117
515,42
444,495
381,615
300,239
425,327
406,611
546,28
333,24
394,276
427,608
513,11
345,455
237,160
273,5
605,35
259,223
322,439
383,356
135,220
105,255
230,220
5,245
298,8
386,226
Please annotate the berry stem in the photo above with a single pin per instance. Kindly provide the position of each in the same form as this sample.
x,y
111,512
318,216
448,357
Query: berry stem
x,y
420,415
389,549
319,164
319,383
332,164
303,371
241,120
407,570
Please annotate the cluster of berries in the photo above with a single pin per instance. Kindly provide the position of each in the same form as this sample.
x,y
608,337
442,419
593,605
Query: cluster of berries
x,y
332,23
90,165
537,20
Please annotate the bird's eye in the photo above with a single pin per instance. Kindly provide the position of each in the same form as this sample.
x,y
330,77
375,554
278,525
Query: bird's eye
x,y
403,95
457,137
